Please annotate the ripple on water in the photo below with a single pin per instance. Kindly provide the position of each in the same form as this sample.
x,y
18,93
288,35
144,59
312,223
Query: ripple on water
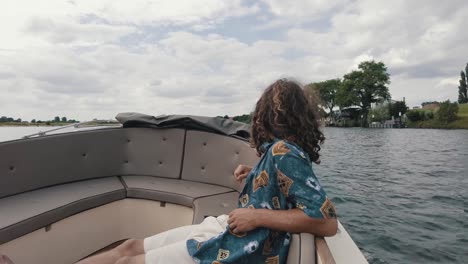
x,y
399,193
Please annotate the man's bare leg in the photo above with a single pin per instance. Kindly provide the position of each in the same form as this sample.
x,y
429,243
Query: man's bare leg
x,y
5,260
129,248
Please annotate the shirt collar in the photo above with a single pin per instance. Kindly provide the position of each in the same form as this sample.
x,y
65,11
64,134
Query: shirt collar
x,y
266,145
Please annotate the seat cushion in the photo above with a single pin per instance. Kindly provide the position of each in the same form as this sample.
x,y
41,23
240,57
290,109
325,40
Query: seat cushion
x,y
26,212
214,205
170,190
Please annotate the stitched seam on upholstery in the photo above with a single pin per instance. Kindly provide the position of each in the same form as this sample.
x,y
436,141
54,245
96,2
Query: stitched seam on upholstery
x,y
158,191
214,184
194,200
63,183
214,195
300,248
123,183
179,194
183,155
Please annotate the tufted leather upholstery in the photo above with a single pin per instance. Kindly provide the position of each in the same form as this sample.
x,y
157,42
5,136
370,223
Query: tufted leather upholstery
x,y
212,158
46,179
190,168
31,164
149,161
154,152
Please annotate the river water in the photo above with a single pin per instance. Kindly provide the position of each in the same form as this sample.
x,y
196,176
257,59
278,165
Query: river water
x,y
400,193
12,133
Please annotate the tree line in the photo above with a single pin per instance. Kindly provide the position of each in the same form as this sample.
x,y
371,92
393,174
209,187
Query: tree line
x,y
57,119
241,118
360,88
367,86
447,111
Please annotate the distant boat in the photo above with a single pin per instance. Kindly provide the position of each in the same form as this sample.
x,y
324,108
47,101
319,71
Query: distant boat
x,y
66,196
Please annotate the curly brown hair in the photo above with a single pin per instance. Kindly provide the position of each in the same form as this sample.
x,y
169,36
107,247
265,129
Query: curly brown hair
x,y
284,112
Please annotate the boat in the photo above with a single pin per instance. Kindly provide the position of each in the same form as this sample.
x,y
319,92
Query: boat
x,y
66,196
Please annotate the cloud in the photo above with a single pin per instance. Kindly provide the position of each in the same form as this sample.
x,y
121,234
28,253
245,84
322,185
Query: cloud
x,y
303,9
90,58
181,12
6,75
69,32
283,14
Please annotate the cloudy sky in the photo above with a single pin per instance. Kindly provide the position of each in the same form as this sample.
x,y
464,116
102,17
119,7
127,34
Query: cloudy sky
x,y
89,59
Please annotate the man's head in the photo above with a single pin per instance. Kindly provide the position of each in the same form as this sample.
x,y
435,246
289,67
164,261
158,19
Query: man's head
x,y
284,112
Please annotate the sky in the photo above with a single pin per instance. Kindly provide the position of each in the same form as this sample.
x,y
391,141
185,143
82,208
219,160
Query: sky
x,y
87,59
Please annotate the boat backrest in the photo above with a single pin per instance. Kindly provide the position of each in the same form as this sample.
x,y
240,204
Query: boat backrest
x,y
31,164
212,158
153,152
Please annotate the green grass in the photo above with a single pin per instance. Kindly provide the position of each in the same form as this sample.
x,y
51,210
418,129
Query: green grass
x,y
463,110
460,123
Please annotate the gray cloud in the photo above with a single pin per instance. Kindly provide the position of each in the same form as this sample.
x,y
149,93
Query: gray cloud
x,y
6,75
62,82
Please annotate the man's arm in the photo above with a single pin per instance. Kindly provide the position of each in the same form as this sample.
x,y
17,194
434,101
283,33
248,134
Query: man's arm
x,y
295,221
292,221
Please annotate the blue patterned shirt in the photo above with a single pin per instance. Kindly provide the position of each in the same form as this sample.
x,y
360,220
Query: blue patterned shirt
x,y
283,179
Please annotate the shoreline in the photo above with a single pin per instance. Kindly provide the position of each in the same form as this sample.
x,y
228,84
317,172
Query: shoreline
x,y
34,125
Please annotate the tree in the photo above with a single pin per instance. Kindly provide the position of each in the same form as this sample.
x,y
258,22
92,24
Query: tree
x,y
33,121
379,114
398,108
243,118
64,119
346,96
327,91
447,112
57,119
365,86
462,89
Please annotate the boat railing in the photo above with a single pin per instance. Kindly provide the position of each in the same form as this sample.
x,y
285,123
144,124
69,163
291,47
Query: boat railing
x,y
86,124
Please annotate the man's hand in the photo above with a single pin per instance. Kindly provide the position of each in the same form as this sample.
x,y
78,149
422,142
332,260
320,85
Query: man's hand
x,y
241,172
242,220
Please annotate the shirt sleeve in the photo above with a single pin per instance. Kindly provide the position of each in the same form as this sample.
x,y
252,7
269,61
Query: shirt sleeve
x,y
300,186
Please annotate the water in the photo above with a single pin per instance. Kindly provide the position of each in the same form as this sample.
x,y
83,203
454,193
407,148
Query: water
x,y
401,194
15,133
12,133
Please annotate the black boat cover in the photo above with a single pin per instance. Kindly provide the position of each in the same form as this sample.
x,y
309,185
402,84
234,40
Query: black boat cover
x,y
216,125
